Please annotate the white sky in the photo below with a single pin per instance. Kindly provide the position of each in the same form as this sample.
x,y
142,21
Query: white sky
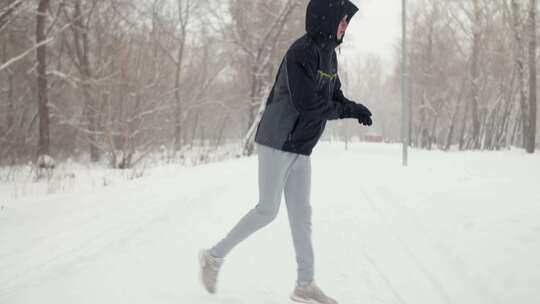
x,y
375,29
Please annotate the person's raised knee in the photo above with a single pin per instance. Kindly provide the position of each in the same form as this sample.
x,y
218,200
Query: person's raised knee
x,y
267,214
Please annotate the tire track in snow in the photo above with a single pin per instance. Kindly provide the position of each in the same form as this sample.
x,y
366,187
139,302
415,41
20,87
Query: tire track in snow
x,y
388,283
486,295
432,279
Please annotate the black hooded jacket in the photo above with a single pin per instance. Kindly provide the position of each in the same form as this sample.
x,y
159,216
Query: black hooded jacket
x,y
307,91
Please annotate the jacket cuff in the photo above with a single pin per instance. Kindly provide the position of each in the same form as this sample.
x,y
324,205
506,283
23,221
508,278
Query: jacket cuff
x,y
348,110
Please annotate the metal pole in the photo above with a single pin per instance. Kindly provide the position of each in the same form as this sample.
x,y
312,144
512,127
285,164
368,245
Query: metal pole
x,y
404,85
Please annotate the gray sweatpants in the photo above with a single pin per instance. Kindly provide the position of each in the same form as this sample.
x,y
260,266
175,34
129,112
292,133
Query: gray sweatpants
x,y
279,172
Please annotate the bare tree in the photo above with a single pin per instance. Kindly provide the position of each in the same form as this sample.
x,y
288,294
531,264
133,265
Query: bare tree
x,y
474,74
520,63
185,8
531,140
41,57
8,10
257,29
80,54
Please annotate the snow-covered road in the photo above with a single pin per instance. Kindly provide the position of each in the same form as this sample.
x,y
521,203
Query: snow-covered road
x,y
458,227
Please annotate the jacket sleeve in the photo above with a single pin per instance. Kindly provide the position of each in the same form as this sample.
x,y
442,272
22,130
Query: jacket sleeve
x,y
338,93
300,74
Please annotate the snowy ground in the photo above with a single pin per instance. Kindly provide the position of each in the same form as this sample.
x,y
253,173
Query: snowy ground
x,y
458,227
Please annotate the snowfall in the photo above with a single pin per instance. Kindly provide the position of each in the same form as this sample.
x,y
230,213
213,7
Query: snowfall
x,y
452,227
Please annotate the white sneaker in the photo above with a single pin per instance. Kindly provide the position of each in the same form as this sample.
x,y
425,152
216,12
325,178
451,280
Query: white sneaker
x,y
209,270
311,294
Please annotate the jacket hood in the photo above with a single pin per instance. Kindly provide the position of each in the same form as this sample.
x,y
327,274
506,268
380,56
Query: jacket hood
x,y
323,17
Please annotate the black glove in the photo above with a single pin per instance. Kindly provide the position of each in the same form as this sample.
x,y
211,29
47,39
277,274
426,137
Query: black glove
x,y
366,121
358,111
363,114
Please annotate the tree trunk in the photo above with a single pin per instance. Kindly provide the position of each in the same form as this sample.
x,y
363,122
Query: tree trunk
x,y
426,99
432,134
10,103
178,99
474,78
531,143
219,137
502,134
463,127
82,51
521,70
423,127
43,102
195,127
247,142
452,127
183,20
455,114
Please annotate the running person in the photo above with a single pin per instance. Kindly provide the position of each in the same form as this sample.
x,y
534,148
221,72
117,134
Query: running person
x,y
306,94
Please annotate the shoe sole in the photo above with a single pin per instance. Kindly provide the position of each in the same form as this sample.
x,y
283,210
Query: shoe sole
x,y
300,300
